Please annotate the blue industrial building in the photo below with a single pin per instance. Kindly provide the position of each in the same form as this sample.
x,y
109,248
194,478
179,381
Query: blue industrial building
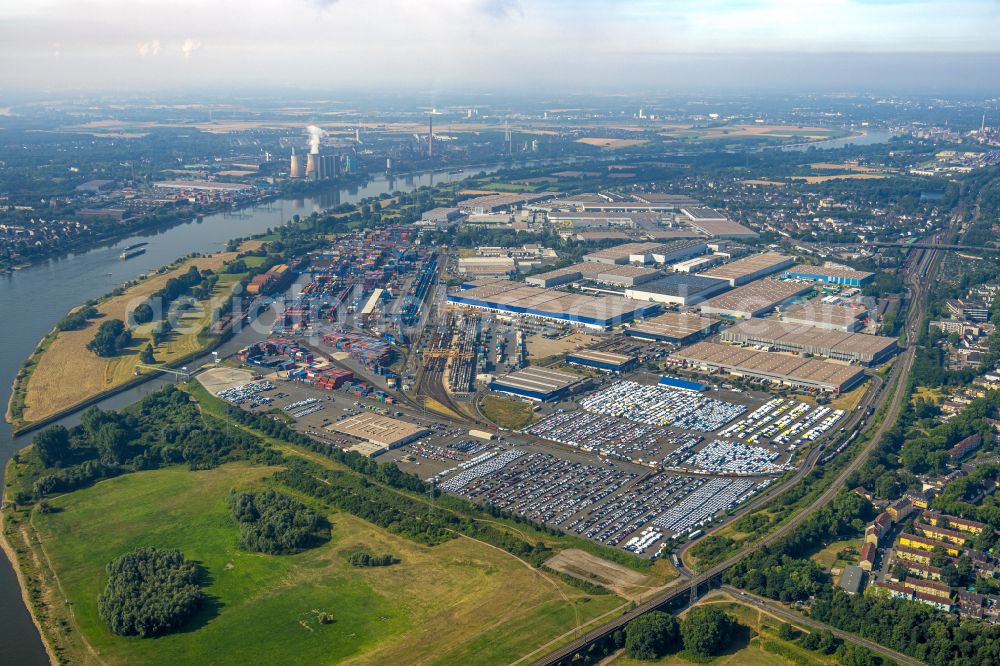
x,y
674,382
847,277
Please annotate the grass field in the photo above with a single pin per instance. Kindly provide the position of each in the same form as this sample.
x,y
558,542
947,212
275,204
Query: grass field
x,y
830,558
507,413
67,373
457,603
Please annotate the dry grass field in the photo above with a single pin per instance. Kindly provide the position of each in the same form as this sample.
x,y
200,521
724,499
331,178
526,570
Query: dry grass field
x,y
607,142
774,183
540,347
842,176
67,373
829,166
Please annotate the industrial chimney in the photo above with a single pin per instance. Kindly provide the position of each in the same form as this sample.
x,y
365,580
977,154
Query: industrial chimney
x,y
430,138
312,166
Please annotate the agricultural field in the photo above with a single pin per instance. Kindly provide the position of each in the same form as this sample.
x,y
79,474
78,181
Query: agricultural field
x,y
459,602
66,373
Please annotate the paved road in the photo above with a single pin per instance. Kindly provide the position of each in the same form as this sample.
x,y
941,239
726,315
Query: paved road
x,y
794,617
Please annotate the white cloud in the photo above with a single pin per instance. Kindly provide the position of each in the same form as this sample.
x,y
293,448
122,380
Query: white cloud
x,y
189,47
147,49
580,44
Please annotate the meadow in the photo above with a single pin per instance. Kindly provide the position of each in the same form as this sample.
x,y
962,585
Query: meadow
x,y
459,602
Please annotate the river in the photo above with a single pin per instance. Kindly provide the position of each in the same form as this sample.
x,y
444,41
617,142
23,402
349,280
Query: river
x,y
36,297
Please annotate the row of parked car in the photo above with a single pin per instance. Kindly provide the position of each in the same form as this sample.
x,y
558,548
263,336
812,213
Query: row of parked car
x,y
662,406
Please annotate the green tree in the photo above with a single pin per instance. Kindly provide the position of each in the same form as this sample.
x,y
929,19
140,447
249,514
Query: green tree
x,y
706,631
150,592
52,446
147,355
112,443
651,636
112,336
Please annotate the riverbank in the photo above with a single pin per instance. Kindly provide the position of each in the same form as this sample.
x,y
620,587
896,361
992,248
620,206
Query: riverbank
x,y
61,375
19,567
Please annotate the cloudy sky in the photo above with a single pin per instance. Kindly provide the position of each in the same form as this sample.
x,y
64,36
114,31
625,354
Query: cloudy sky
x,y
565,45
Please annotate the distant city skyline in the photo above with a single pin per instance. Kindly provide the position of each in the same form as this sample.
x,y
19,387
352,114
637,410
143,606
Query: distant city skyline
x,y
587,45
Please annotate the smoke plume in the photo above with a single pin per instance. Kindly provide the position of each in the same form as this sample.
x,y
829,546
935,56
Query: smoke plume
x,y
315,136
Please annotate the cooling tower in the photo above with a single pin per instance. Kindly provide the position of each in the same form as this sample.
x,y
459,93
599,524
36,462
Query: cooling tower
x,y
295,171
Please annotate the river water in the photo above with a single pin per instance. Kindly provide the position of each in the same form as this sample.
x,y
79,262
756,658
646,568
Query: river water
x,y
35,298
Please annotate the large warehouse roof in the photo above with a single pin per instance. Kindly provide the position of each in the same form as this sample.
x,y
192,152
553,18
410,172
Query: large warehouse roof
x,y
679,284
754,298
672,327
811,372
534,380
811,339
754,265
600,357
840,273
723,229
523,299
824,315
377,429
621,253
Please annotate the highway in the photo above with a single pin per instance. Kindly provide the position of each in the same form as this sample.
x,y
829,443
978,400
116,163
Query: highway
x,y
921,270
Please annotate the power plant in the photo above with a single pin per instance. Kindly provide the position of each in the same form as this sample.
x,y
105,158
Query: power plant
x,y
318,166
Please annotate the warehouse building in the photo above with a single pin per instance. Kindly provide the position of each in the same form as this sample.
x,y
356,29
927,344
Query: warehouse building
x,y
542,384
832,275
673,327
623,275
826,316
808,373
697,264
441,217
669,252
713,223
624,203
677,289
621,254
602,360
751,268
578,309
802,339
754,299
380,433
